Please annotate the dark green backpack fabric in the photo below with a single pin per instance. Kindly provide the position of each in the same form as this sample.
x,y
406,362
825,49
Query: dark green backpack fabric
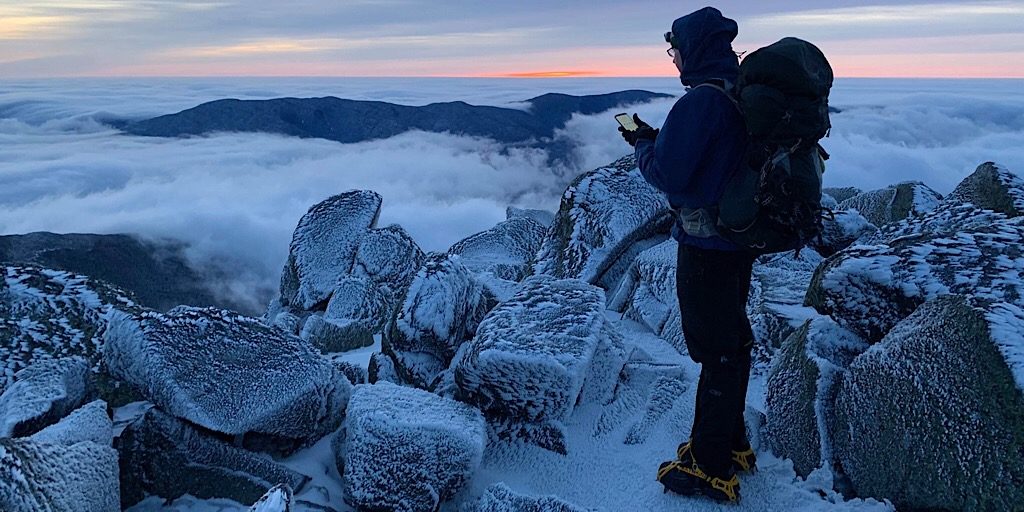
x,y
773,203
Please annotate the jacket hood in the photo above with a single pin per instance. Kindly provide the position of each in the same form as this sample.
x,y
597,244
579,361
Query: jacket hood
x,y
704,40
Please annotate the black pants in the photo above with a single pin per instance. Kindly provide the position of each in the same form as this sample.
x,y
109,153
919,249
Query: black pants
x,y
713,287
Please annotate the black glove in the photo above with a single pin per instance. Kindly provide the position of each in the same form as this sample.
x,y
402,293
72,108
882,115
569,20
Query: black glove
x,y
643,131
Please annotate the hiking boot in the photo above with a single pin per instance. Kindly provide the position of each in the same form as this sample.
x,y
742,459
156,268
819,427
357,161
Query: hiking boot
x,y
742,461
686,477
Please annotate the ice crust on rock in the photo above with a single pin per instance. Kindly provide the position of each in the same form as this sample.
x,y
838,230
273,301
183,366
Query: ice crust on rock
x,y
932,417
894,203
504,251
441,310
602,214
357,309
389,258
277,499
164,456
42,394
500,498
841,231
991,187
51,314
543,217
647,293
538,354
87,423
407,450
227,372
57,478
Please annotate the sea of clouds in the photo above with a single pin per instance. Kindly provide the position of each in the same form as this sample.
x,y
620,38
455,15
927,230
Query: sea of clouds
x,y
235,198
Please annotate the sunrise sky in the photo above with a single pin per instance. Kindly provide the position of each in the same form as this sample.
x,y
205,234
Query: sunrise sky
x,y
45,38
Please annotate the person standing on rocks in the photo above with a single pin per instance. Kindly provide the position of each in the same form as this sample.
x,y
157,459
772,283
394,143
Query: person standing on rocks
x,y
690,159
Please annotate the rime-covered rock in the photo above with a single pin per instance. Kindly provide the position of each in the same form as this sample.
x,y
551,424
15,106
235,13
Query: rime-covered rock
x,y
932,416
57,478
801,391
841,194
357,309
664,394
543,217
991,187
870,287
647,293
407,450
51,314
228,373
894,203
603,213
539,354
381,369
778,285
42,394
324,246
164,456
500,498
277,499
87,423
503,251
441,310
355,373
389,258
841,231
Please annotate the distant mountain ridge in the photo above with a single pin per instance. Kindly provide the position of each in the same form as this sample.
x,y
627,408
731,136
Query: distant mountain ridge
x,y
349,121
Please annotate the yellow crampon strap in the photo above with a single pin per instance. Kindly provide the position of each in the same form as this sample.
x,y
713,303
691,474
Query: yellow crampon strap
x,y
742,459
727,487
683,448
668,467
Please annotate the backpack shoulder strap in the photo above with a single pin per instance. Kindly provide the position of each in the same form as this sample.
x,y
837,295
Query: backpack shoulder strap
x,y
721,89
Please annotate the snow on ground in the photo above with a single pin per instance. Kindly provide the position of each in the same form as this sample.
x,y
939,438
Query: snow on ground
x,y
601,472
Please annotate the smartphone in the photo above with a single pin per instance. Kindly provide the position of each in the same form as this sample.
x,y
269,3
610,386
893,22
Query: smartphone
x,y
626,121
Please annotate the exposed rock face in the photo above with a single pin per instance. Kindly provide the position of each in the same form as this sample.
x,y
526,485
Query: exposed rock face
x,y
228,373
166,457
802,388
503,251
442,309
42,394
991,187
539,354
407,450
894,203
57,478
603,214
499,498
87,423
932,417
50,314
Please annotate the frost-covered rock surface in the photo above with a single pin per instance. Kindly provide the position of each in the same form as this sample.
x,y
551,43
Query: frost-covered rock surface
x,y
228,373
801,391
503,251
388,257
166,457
277,499
441,310
841,230
57,478
647,293
47,314
354,313
87,423
841,194
42,394
894,203
603,213
991,187
500,498
407,450
538,354
932,416
543,217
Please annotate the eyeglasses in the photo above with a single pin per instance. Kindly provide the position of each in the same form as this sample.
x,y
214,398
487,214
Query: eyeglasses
x,y
672,53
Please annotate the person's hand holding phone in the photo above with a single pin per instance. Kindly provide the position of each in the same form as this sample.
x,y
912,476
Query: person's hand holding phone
x,y
633,129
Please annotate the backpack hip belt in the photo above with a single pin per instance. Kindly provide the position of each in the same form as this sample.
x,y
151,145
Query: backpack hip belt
x,y
697,222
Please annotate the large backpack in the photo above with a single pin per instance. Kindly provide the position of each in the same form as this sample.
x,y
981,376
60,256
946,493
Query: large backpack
x,y
772,203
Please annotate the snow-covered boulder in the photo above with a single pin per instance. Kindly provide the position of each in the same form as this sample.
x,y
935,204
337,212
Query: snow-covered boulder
x,y
647,293
388,257
777,288
277,499
664,394
842,230
894,203
37,476
932,416
603,214
324,246
801,390
357,309
87,423
228,373
543,217
991,187
539,354
870,288
440,311
407,450
42,394
51,314
500,498
841,194
164,456
503,251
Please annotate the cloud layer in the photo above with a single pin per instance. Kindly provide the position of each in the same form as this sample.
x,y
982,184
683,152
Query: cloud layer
x,y
237,197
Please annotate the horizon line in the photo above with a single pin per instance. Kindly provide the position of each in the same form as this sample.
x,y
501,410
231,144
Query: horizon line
x,y
541,75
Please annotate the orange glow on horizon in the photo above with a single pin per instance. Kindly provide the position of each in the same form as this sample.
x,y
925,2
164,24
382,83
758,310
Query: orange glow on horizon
x,y
545,74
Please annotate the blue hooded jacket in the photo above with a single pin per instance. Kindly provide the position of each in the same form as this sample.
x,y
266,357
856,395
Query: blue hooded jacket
x,y
704,137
